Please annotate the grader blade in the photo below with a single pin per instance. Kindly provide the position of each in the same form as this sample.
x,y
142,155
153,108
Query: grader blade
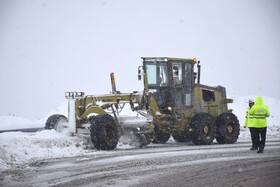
x,y
135,131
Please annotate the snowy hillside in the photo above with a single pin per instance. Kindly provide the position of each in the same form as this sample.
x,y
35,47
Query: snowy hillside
x,y
20,148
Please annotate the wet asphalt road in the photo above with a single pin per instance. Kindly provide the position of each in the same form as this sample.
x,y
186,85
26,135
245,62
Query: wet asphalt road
x,y
174,164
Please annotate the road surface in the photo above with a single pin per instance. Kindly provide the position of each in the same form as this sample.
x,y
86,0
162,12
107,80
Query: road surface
x,y
172,164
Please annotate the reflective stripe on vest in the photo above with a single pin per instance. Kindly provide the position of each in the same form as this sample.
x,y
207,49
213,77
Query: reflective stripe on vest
x,y
259,116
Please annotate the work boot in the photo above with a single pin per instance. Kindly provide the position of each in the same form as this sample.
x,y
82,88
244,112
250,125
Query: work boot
x,y
260,151
253,149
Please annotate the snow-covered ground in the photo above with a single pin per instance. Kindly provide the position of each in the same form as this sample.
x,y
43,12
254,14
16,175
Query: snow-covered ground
x,y
19,148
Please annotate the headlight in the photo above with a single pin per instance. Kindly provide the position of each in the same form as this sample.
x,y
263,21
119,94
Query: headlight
x,y
169,108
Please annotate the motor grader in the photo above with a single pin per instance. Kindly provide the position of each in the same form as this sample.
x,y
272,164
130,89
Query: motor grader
x,y
172,103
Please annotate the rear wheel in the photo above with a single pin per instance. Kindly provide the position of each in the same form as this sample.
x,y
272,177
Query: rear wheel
x,y
57,122
160,136
104,132
203,129
228,128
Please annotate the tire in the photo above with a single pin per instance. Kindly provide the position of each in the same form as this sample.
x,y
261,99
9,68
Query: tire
x,y
180,137
228,128
160,137
203,129
54,122
104,132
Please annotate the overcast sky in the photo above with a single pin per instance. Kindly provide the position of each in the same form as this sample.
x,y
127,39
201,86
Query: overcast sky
x,y
48,47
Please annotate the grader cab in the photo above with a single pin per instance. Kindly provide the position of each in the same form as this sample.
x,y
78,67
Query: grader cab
x,y
173,103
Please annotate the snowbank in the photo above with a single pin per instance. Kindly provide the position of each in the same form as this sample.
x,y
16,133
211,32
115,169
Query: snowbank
x,y
21,148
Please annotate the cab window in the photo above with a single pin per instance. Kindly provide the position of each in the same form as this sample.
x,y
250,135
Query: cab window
x,y
151,73
157,74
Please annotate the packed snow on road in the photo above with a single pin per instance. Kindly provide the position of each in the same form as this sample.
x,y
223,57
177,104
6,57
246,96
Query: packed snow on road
x,y
19,148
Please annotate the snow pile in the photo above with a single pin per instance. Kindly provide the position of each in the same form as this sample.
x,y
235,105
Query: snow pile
x,y
22,148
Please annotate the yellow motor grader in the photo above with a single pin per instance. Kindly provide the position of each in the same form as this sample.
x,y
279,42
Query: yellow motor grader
x,y
172,103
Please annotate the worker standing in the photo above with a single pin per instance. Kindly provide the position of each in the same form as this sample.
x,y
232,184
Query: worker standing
x,y
249,123
259,112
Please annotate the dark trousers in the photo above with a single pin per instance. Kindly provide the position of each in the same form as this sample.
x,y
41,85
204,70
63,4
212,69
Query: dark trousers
x,y
258,136
252,138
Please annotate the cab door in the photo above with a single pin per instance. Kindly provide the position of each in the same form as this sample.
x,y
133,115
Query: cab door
x,y
177,84
181,83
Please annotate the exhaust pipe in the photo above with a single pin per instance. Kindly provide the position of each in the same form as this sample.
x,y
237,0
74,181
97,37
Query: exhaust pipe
x,y
113,83
198,71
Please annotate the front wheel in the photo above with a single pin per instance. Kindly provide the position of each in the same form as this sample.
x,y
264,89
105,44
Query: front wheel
x,y
228,128
202,129
104,132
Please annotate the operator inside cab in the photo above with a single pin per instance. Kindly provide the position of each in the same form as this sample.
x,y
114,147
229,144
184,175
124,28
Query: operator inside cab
x,y
177,74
